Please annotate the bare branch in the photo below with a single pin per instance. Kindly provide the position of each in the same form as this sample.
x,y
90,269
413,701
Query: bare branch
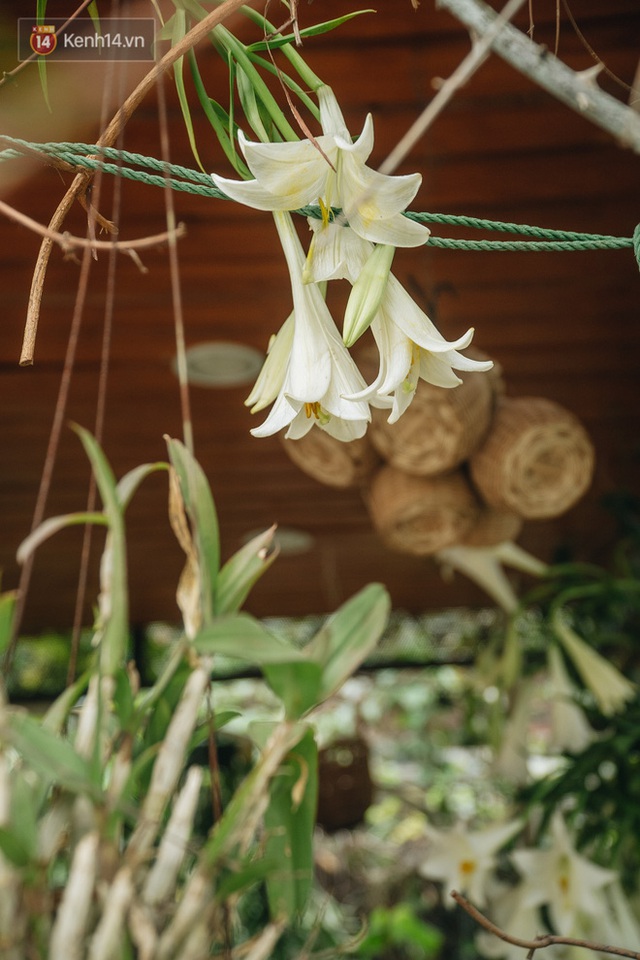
x,y
67,241
579,90
538,943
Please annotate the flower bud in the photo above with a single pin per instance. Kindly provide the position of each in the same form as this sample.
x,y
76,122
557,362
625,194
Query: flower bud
x,y
367,293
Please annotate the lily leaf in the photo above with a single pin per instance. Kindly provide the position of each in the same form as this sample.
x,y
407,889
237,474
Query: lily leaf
x,y
48,527
314,31
7,604
297,683
289,822
349,636
243,637
128,484
178,32
201,510
243,569
52,758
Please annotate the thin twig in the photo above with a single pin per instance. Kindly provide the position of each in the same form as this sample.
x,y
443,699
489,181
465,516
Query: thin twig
x,y
107,139
544,940
465,70
68,241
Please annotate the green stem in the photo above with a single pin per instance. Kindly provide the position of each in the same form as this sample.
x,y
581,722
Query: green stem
x,y
230,44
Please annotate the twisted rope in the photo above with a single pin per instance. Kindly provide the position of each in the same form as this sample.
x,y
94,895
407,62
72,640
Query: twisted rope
x,y
183,179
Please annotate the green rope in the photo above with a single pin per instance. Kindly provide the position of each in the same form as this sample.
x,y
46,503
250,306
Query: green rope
x,y
184,179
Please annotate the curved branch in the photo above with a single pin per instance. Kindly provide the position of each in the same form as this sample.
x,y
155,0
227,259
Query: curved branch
x,y
545,940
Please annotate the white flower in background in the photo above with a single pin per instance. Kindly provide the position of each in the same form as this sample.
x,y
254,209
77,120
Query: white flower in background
x,y
463,859
311,370
569,885
610,689
331,172
570,729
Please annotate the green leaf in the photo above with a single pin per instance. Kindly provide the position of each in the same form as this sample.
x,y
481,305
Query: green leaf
x,y
219,120
178,32
201,511
298,684
289,823
243,637
245,876
13,848
50,757
56,716
48,527
24,814
41,7
7,604
123,700
350,636
113,624
314,31
128,484
243,569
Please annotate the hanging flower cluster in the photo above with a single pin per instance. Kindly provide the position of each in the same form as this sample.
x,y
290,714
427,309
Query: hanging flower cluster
x,y
309,374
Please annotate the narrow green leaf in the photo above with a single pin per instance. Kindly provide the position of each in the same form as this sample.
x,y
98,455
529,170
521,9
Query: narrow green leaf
x,y
114,599
92,10
243,569
219,120
7,604
25,798
349,636
243,637
282,40
201,510
244,877
128,484
56,716
48,527
41,8
289,822
50,757
179,30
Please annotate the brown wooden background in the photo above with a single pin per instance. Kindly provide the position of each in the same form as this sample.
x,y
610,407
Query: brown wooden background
x,y
562,326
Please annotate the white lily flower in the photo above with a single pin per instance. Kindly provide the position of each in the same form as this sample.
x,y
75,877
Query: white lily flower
x,y
330,171
312,382
410,345
568,884
463,859
570,729
609,687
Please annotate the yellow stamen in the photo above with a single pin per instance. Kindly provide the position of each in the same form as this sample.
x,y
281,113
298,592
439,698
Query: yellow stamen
x,y
326,212
467,867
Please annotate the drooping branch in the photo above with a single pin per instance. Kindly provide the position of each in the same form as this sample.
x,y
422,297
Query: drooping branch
x,y
578,89
538,943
